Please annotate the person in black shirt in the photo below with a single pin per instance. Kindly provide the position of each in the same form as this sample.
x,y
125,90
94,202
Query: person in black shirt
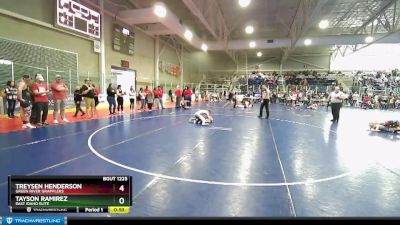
x,y
87,91
24,99
11,95
170,95
230,96
120,99
111,98
78,100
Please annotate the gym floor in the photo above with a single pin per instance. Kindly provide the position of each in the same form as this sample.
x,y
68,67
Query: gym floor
x,y
296,164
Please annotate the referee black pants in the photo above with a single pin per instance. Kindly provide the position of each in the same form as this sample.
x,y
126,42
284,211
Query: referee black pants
x,y
336,111
264,103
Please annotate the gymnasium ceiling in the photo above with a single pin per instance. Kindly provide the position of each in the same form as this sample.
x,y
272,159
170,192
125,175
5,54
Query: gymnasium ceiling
x,y
274,19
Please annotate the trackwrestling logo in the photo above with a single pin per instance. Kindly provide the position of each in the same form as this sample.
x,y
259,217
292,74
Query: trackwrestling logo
x,y
34,220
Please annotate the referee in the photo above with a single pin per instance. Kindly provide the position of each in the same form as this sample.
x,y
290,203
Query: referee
x,y
336,99
265,96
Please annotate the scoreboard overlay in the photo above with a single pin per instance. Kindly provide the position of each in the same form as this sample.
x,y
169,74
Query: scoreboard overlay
x,y
86,194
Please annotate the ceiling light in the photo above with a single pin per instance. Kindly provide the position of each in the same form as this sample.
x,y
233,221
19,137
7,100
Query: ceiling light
x,y
259,54
252,44
244,3
249,29
188,35
307,42
160,10
369,39
324,24
204,47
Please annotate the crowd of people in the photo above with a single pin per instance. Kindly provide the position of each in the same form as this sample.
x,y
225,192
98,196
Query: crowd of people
x,y
33,96
34,101
377,81
303,78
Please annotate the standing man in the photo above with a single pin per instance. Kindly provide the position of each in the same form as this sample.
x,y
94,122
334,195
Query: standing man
x,y
188,96
156,98
178,96
146,94
41,100
32,119
160,96
78,101
88,93
170,95
96,96
336,99
24,98
59,90
265,96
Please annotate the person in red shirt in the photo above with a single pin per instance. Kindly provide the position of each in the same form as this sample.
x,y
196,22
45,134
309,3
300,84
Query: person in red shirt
x,y
366,103
156,98
178,96
160,97
59,90
41,99
188,96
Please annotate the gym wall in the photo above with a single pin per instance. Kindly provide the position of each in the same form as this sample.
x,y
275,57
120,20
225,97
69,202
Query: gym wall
x,y
33,22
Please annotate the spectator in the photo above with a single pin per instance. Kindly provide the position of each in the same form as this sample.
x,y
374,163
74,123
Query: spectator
x,y
196,94
178,96
78,101
59,90
88,93
132,97
150,100
96,96
111,98
156,99
24,98
142,97
11,96
230,96
120,99
188,96
41,101
170,95
32,119
146,93
160,96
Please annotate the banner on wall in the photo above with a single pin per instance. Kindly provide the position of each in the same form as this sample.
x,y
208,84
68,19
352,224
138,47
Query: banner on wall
x,y
169,68
173,68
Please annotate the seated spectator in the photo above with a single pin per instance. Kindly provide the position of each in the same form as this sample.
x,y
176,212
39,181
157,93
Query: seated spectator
x,y
366,104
